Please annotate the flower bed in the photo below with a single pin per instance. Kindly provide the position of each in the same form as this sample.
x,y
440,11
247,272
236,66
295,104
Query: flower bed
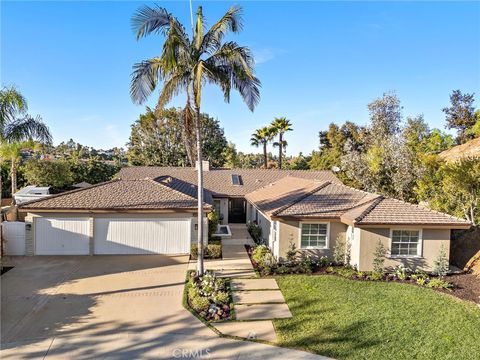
x,y
211,251
209,296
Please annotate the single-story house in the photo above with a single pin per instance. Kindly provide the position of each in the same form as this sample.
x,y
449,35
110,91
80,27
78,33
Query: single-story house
x,y
153,210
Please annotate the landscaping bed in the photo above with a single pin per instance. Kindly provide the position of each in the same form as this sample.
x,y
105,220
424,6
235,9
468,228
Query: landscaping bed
x,y
348,319
209,296
463,286
213,250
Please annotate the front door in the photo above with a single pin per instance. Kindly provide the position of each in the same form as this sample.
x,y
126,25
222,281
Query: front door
x,y
237,212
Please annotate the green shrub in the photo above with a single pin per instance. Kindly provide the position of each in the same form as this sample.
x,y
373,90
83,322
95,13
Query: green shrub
x,y
211,251
255,232
305,265
375,276
215,240
291,254
330,270
379,257
438,283
200,303
346,272
441,264
213,221
221,297
339,251
421,281
401,272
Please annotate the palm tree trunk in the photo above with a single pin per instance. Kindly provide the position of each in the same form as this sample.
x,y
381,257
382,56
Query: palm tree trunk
x,y
200,244
265,156
280,150
14,176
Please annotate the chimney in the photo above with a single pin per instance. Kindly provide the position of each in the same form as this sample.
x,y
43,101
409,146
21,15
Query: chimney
x,y
205,165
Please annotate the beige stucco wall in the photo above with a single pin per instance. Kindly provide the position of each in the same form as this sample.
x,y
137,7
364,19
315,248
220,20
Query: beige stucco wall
x,y
432,240
30,220
223,209
290,233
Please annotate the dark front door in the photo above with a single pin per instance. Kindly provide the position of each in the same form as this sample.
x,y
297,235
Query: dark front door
x,y
237,212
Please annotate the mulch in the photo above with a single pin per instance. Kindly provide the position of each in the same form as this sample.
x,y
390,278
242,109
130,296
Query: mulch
x,y
467,287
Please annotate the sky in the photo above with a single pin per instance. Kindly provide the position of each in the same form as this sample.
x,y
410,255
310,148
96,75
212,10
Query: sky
x,y
319,62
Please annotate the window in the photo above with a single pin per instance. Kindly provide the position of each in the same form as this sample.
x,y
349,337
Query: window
x,y
236,179
314,235
216,203
405,243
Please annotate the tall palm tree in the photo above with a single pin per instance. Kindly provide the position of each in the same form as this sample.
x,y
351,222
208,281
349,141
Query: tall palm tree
x,y
186,64
261,137
280,126
16,125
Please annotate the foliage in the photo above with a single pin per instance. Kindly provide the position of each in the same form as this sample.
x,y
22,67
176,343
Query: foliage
x,y
379,257
157,138
255,232
291,253
211,251
213,221
56,174
262,137
279,127
438,283
453,188
345,319
460,115
299,162
92,171
441,263
264,259
199,303
340,251
401,272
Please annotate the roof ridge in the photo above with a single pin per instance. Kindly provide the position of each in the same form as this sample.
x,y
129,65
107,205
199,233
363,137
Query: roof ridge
x,y
373,205
53,196
307,194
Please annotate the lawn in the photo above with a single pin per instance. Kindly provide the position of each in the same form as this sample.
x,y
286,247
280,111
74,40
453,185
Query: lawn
x,y
348,319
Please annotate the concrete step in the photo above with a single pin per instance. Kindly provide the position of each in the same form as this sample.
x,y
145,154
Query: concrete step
x,y
258,297
262,311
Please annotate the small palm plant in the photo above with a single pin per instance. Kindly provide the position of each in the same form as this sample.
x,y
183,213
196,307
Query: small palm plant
x,y
261,137
187,64
279,127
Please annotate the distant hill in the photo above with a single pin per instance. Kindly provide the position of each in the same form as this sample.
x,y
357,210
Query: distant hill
x,y
469,149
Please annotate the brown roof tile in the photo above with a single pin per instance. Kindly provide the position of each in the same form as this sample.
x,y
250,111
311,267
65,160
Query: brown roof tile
x,y
219,181
121,195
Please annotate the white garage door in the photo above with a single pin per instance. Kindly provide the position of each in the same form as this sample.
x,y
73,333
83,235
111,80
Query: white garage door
x,y
62,236
142,236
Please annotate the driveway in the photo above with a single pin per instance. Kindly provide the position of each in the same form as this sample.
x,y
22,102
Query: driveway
x,y
115,307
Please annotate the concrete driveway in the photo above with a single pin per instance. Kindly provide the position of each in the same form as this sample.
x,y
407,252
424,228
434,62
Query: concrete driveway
x,y
115,307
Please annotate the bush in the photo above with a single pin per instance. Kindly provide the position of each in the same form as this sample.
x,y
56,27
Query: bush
x,y
221,297
211,251
213,222
264,259
438,283
339,251
291,254
346,272
375,276
379,257
255,232
440,264
401,272
421,281
199,303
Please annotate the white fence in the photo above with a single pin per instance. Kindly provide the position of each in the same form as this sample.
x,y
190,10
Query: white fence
x,y
14,237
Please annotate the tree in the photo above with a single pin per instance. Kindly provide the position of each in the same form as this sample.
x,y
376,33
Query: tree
x,y
186,64
385,118
56,173
261,137
230,156
279,127
16,125
156,139
92,171
460,115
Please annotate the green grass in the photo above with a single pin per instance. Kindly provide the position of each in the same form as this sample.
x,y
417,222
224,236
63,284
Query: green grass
x,y
348,319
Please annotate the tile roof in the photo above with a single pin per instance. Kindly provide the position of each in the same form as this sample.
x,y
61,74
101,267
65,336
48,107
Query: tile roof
x,y
300,198
122,195
219,181
396,212
272,198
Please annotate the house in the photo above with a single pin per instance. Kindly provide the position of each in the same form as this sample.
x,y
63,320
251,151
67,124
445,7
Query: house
x,y
153,210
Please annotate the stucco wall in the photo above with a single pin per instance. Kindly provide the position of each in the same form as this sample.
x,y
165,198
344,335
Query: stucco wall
x,y
223,209
290,233
264,223
432,240
30,220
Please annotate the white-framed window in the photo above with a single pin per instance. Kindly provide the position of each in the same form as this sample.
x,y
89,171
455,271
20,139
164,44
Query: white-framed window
x,y
405,242
314,235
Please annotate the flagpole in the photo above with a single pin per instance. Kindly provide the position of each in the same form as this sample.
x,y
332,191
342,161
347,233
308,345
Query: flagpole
x,y
191,14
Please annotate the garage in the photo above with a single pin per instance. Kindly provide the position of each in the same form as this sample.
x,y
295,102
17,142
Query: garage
x,y
62,236
142,236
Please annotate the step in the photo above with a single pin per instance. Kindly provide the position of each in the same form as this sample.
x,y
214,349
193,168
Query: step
x,y
262,330
258,297
254,284
262,311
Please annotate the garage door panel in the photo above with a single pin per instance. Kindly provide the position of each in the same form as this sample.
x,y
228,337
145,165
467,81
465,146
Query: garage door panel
x,y
62,236
142,236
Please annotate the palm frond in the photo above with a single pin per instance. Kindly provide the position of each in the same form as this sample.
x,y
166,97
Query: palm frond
x,y
145,78
176,48
28,128
173,86
198,34
149,20
231,21
12,104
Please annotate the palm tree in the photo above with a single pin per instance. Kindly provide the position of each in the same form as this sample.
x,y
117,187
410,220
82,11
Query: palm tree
x,y
261,137
17,126
280,126
186,65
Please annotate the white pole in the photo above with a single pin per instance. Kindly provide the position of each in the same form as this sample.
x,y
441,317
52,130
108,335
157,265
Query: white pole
x,y
191,14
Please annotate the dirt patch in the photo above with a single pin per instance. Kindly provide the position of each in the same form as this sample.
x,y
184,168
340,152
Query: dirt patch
x,y
467,287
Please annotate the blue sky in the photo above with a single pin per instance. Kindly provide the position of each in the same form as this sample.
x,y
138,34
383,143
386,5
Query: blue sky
x,y
319,62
